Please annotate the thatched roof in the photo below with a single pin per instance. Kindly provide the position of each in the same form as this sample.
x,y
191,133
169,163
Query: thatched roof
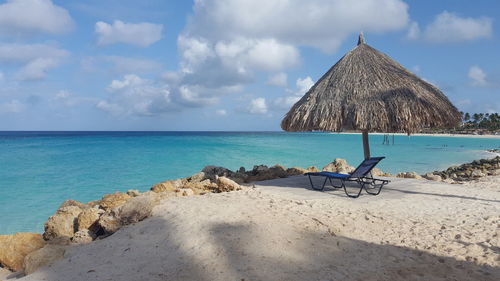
x,y
367,90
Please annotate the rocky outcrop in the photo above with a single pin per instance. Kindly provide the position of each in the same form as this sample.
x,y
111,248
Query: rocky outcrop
x,y
63,223
339,166
225,185
469,171
409,175
111,201
14,248
42,257
83,236
296,171
262,172
170,185
136,209
88,218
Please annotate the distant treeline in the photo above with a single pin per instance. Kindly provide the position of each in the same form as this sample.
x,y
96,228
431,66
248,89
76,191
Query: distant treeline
x,y
487,121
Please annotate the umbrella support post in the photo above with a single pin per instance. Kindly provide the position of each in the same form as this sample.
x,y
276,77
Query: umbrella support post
x,y
366,145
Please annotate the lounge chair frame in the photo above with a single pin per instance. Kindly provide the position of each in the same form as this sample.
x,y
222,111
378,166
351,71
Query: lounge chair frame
x,y
364,179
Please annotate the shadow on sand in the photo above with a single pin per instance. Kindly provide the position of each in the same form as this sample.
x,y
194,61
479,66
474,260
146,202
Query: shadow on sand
x,y
243,251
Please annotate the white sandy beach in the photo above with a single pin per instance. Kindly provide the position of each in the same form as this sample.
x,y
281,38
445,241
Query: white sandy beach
x,y
279,230
431,135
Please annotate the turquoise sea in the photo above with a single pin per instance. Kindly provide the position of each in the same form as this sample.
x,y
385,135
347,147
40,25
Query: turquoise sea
x,y
39,170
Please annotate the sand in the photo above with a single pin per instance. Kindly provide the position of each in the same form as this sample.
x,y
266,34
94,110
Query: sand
x,y
279,230
432,135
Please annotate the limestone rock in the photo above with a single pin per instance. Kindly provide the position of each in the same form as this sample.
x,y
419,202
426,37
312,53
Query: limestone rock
x,y
312,169
432,177
109,222
339,166
212,171
224,185
477,174
137,209
43,257
88,218
262,172
133,193
295,171
170,185
13,248
198,177
199,187
68,203
409,175
62,224
111,201
83,237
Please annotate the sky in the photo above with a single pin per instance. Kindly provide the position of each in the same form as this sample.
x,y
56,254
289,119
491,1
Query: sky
x,y
228,65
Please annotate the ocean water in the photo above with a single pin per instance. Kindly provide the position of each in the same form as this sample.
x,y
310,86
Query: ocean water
x,y
39,170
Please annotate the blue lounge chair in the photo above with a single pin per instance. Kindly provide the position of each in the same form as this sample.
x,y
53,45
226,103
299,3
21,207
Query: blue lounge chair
x,y
362,176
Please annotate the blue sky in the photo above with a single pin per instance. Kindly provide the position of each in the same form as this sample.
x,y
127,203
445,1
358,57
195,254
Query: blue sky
x,y
223,64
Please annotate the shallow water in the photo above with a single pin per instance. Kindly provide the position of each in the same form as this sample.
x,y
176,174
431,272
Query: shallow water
x,y
39,170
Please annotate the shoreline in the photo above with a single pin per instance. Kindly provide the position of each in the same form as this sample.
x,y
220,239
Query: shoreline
x,y
427,135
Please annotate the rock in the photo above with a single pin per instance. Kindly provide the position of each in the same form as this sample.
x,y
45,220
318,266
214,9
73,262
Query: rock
x,y
477,174
212,171
198,177
170,185
295,171
68,203
224,185
88,218
43,257
13,249
241,170
262,172
185,192
137,209
409,175
312,169
239,177
199,187
111,201
83,237
339,166
133,193
432,177
109,222
62,224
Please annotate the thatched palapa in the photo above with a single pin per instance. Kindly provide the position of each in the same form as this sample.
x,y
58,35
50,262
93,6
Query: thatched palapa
x,y
368,91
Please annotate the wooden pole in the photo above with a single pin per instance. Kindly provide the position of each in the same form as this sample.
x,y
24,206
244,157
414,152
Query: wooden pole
x,y
366,144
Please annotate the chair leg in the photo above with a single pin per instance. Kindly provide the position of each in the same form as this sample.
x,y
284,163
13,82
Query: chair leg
x,y
312,185
375,186
354,195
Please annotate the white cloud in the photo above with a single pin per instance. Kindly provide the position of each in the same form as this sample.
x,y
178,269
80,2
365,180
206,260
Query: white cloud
x,y
478,76
190,96
285,103
35,59
13,106
137,34
257,106
449,27
279,79
134,95
303,85
317,23
221,112
194,51
413,31
33,16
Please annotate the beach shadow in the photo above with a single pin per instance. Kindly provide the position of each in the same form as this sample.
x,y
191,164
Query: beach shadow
x,y
246,251
442,195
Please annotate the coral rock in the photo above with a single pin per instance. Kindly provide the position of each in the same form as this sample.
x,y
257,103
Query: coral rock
x,y
88,218
296,171
111,201
170,185
339,166
137,209
83,237
62,224
224,185
13,249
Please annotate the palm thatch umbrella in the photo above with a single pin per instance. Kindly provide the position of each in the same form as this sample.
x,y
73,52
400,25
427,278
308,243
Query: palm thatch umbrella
x,y
368,91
